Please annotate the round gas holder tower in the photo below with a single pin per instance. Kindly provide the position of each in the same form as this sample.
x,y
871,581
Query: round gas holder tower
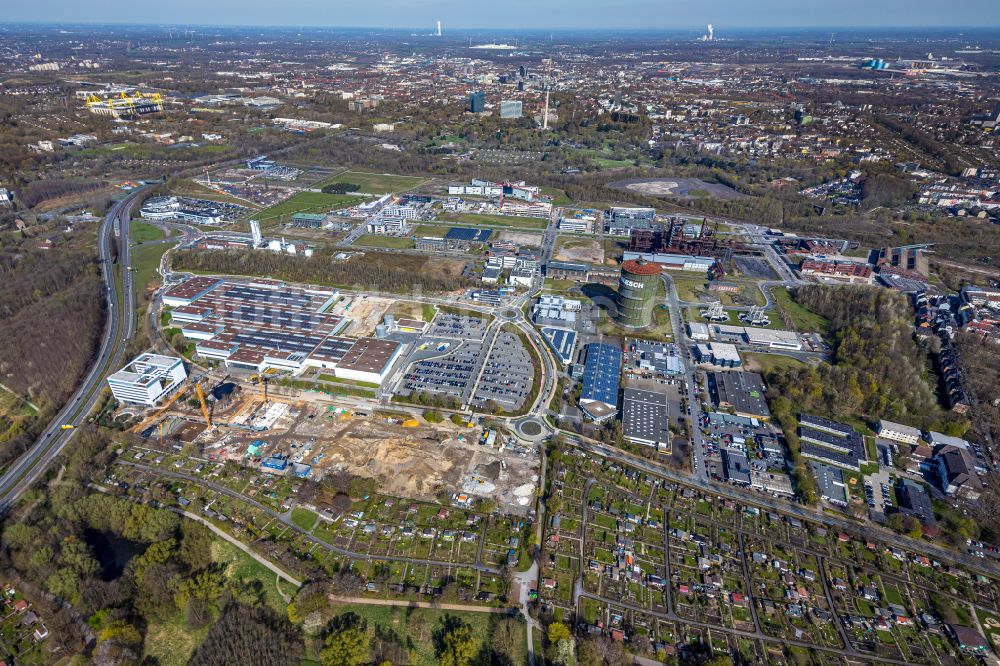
x,y
638,285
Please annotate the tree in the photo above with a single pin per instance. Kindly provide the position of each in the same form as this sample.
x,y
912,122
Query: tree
x,y
340,188
602,652
589,654
311,598
251,637
346,647
195,545
720,660
121,632
558,631
207,586
564,652
504,639
458,647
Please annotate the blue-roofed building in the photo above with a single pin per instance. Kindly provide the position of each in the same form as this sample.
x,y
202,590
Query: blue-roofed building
x,y
562,341
601,375
276,462
468,234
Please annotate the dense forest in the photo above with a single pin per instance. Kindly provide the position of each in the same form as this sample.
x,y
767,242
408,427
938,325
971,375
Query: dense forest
x,y
172,573
979,358
876,370
41,190
50,320
396,273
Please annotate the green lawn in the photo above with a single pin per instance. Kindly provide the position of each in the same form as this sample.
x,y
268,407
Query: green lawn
x,y
561,287
801,318
431,231
374,183
769,362
691,288
500,221
393,242
413,310
559,197
306,202
172,643
348,382
189,188
143,233
686,288
152,151
612,164
240,566
145,261
304,518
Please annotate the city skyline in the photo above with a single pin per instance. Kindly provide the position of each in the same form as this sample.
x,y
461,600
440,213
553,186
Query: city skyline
x,y
521,14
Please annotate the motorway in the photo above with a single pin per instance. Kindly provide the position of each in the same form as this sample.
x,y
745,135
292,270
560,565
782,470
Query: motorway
x,y
119,329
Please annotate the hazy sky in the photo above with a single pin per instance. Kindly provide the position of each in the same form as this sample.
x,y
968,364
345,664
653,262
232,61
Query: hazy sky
x,y
507,14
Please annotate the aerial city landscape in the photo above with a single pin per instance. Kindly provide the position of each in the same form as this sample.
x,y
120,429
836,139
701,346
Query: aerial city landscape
x,y
548,345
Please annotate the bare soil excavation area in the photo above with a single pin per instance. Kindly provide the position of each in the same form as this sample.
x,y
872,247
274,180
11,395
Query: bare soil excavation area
x,y
681,188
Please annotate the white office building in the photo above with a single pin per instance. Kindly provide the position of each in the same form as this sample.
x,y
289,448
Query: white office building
x,y
898,432
576,224
388,226
146,379
403,212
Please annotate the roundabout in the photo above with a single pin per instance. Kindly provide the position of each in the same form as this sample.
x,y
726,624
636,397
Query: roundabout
x,y
532,429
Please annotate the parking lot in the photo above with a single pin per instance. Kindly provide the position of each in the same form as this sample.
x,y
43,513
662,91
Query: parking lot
x,y
451,374
878,493
461,327
508,374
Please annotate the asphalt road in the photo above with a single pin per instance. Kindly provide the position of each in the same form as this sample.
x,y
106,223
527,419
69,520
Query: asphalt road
x,y
687,363
119,328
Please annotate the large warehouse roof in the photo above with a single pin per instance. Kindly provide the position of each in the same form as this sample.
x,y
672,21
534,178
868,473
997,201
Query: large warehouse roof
x,y
645,417
601,374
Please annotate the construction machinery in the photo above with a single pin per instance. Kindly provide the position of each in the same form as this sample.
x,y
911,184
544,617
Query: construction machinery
x,y
261,381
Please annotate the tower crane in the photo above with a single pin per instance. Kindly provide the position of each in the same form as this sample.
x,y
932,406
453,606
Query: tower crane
x,y
204,407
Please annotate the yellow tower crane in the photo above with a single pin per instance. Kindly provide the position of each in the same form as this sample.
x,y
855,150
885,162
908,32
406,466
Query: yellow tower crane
x,y
204,407
160,412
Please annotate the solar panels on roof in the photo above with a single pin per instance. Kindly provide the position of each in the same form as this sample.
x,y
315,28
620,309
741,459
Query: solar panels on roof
x,y
601,374
468,234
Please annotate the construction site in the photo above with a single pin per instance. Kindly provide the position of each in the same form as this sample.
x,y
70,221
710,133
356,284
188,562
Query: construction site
x,y
365,313
308,434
